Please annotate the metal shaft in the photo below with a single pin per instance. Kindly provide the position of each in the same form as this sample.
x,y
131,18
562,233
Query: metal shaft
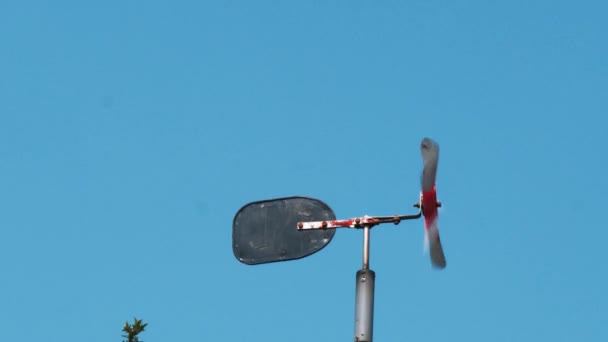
x,y
364,296
366,247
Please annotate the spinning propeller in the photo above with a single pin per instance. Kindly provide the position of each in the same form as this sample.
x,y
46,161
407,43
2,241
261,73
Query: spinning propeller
x,y
428,198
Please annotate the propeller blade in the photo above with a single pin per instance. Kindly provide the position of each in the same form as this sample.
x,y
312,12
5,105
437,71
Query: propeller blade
x,y
430,159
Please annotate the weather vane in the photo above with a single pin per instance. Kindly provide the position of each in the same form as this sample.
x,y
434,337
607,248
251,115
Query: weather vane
x,y
289,228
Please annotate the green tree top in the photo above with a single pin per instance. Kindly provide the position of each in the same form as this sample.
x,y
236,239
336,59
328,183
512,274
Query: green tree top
x,y
133,330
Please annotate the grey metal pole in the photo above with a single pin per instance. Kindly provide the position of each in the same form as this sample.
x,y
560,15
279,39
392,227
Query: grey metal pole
x,y
364,296
366,232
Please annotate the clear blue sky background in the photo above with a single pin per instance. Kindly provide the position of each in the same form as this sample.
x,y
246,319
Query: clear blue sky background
x,y
132,131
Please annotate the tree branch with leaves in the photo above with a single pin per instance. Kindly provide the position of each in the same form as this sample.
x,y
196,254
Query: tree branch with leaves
x,y
132,330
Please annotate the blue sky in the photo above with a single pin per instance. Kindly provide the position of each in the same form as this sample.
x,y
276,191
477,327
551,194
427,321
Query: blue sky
x,y
131,132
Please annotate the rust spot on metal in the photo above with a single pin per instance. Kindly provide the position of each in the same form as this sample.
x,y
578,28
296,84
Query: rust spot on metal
x,y
300,225
324,224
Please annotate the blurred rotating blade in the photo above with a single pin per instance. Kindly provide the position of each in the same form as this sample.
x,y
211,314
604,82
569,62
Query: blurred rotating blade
x,y
430,159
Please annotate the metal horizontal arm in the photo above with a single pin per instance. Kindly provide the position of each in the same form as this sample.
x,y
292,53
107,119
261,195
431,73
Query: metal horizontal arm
x,y
358,222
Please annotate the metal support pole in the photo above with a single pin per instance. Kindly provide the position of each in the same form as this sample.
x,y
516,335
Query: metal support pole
x,y
366,232
364,296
